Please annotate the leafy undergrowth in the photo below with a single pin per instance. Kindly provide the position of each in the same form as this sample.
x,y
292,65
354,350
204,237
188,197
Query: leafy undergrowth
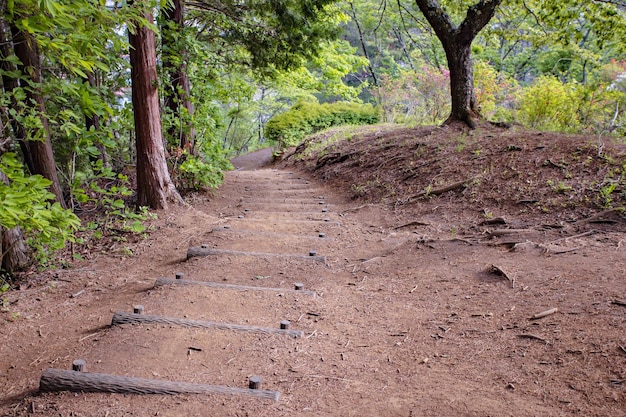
x,y
479,173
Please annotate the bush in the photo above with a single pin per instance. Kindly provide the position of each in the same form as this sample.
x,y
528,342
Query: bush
x,y
290,128
549,104
26,202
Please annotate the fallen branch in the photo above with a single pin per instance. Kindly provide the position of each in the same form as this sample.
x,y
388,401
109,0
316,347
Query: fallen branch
x,y
495,220
357,208
439,191
532,336
53,380
544,313
168,281
409,224
504,232
128,318
602,217
587,233
619,302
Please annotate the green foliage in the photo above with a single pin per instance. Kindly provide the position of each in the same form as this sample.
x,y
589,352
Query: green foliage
x,y
289,128
195,173
415,97
108,194
27,203
549,105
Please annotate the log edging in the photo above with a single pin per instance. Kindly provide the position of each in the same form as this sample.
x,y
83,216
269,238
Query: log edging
x,y
198,251
53,380
120,318
169,281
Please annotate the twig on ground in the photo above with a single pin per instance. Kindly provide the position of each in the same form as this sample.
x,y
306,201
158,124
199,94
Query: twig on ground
x,y
532,336
438,191
357,208
544,313
587,233
619,302
409,224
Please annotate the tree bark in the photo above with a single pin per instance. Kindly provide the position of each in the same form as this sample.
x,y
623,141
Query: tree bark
x,y
154,185
457,43
93,121
13,250
38,151
10,83
178,94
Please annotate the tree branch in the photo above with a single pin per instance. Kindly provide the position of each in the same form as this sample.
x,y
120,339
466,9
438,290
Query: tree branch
x,y
477,17
441,23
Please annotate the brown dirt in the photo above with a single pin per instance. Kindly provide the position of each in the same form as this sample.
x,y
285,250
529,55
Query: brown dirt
x,y
409,319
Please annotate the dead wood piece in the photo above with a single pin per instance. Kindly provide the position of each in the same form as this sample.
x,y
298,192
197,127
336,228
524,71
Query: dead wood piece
x,y
604,217
196,251
619,302
331,158
532,336
544,313
54,380
495,220
504,232
587,233
554,164
169,281
357,208
494,269
409,224
439,191
120,318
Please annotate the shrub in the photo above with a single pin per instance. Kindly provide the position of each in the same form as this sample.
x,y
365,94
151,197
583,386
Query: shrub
x,y
549,104
291,127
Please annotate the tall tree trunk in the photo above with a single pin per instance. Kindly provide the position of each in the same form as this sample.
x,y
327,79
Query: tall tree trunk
x,y
39,151
154,185
11,83
93,121
457,43
178,94
462,84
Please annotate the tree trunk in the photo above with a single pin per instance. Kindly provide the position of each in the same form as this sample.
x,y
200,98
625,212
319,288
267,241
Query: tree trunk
x,y
93,120
462,85
39,151
457,42
154,186
13,250
362,41
178,94
10,83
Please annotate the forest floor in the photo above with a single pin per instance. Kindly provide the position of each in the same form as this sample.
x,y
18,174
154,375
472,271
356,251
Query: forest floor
x,y
457,273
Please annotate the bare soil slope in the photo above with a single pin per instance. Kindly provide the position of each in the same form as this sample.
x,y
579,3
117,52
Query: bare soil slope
x,y
440,247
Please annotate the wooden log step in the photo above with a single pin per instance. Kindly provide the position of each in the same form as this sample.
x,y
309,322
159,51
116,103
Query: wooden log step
x,y
169,281
195,251
318,221
120,318
53,380
226,229
282,201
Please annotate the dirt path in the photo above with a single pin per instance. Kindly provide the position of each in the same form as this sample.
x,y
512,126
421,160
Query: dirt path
x,y
403,322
